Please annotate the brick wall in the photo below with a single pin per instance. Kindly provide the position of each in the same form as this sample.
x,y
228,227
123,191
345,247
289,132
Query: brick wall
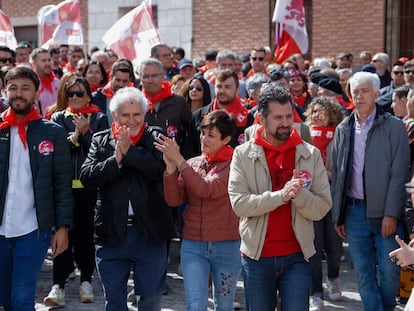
x,y
347,25
29,8
234,25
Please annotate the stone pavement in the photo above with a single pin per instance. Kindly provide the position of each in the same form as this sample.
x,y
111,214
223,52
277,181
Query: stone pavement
x,y
175,301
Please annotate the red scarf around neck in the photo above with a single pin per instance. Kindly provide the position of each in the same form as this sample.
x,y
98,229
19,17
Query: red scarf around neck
x,y
164,93
134,139
224,154
236,108
279,151
46,82
300,100
86,110
321,137
9,119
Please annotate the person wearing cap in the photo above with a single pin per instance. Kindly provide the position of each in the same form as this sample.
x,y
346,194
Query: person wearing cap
x,y
164,54
187,69
381,62
367,187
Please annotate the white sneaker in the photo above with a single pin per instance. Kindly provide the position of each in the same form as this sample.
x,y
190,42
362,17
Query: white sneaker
x,y
315,303
335,293
86,292
55,298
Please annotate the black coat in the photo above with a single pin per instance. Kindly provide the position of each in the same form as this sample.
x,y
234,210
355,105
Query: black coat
x,y
138,180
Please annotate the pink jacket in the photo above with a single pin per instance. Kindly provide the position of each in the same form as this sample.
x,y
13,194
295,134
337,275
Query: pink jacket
x,y
208,216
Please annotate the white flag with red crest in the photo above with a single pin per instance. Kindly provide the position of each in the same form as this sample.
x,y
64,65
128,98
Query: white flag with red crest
x,y
61,24
7,37
134,34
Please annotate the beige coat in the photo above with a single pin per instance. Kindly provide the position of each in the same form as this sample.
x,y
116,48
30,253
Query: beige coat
x,y
252,198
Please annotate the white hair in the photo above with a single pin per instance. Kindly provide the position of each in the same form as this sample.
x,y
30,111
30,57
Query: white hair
x,y
365,77
128,95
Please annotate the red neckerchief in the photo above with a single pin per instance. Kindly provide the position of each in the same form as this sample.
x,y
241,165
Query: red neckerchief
x,y
46,82
96,87
86,110
134,139
237,109
9,119
164,93
300,100
279,151
224,154
70,68
321,137
349,105
107,90
252,73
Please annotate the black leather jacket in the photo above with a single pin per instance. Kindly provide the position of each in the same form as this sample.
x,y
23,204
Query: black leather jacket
x,y
138,180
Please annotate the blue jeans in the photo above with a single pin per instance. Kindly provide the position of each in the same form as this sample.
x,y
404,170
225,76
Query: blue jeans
x,y
222,260
290,276
149,263
368,249
21,259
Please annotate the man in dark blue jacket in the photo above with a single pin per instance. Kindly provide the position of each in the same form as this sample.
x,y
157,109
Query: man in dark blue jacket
x,y
35,191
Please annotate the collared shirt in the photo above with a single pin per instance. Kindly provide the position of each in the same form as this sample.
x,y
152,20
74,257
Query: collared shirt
x,y
356,189
19,217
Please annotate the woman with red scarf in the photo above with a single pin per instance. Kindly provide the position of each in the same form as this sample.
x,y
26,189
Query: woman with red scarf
x,y
80,120
132,221
298,89
323,115
96,75
211,240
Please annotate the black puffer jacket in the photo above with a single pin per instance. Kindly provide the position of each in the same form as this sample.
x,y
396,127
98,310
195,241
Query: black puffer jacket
x,y
138,180
79,152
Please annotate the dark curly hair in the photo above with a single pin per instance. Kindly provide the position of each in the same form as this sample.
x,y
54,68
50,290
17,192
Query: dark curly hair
x,y
272,93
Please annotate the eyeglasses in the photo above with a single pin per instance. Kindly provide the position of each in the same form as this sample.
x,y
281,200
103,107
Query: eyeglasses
x,y
377,60
79,94
409,71
398,72
153,76
195,87
258,58
6,60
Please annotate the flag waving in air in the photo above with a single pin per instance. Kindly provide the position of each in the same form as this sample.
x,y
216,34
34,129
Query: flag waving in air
x,y
290,35
61,24
134,34
7,37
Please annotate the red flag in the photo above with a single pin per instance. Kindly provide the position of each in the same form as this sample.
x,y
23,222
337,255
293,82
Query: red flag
x,y
61,24
134,34
290,35
7,37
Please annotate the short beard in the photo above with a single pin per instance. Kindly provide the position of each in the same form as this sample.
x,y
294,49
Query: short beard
x,y
21,111
281,137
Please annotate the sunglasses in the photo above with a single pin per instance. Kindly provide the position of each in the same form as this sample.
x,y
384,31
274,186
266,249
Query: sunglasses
x,y
79,94
257,58
409,71
398,72
195,87
376,60
6,60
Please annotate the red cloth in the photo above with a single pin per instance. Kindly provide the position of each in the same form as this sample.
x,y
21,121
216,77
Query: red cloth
x,y
224,154
300,100
70,68
95,88
9,119
164,93
107,90
321,137
86,110
349,105
46,82
252,73
134,139
280,238
236,108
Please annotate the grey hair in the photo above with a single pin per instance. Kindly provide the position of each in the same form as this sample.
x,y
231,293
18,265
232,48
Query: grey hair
x,y
384,57
255,82
225,54
128,95
150,61
322,63
365,77
344,70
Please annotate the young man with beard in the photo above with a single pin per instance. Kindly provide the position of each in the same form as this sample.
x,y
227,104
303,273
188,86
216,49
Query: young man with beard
x,y
277,186
35,191
226,91
49,84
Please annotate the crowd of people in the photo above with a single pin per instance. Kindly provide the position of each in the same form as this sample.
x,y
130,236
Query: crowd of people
x,y
261,169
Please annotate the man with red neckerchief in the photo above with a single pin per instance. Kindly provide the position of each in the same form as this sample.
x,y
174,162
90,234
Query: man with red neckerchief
x,y
227,90
277,186
41,63
258,62
35,191
165,109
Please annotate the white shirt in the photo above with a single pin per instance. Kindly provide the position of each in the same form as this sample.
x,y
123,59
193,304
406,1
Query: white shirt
x,y
19,217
